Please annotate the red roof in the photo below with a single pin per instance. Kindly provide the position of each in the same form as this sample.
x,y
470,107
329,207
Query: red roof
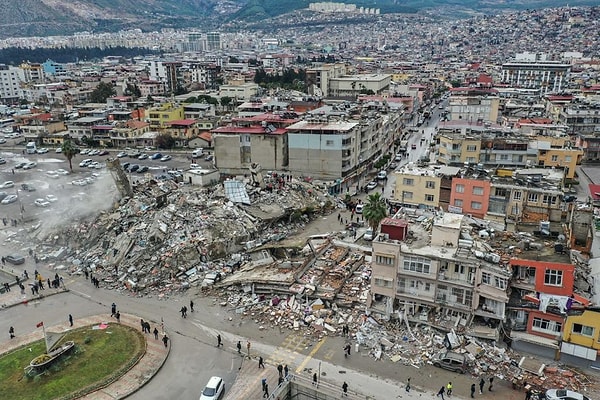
x,y
182,122
394,222
206,136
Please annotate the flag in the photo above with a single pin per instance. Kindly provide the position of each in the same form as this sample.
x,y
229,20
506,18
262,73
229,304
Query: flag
x,y
40,324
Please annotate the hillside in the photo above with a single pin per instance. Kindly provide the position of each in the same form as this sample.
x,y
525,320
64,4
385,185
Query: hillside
x,y
61,17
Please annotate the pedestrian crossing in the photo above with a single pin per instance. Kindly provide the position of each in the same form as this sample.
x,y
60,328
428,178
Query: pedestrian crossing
x,y
290,349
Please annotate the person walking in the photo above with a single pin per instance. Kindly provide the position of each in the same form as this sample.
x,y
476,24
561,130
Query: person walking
x,y
441,392
155,333
285,370
118,315
182,311
280,370
113,309
239,347
219,342
266,394
347,350
165,339
315,381
191,306
345,389
481,385
248,347
263,382
491,383
449,389
70,320
261,362
408,384
143,324
11,332
473,390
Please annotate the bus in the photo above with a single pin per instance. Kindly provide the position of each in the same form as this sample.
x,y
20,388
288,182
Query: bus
x,y
6,122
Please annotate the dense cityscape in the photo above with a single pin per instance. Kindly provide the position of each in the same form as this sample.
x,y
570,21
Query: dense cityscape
x,y
407,198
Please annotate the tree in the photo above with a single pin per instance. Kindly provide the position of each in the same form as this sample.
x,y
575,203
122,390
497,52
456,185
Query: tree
x,y
226,101
375,210
70,151
102,92
165,141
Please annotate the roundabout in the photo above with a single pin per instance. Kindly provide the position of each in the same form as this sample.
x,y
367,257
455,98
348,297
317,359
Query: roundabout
x,y
98,358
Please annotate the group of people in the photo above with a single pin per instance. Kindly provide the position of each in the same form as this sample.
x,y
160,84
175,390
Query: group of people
x,y
114,312
88,275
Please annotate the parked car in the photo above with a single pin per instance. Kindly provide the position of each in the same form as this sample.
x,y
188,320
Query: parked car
x,y
27,187
103,153
84,163
2,161
133,167
413,146
11,198
564,394
84,152
214,389
382,175
30,165
371,185
156,156
41,203
51,198
61,171
59,150
42,150
166,158
142,169
369,234
126,166
7,184
2,140
121,154
209,157
21,165
143,156
94,152
393,165
359,208
451,361
15,259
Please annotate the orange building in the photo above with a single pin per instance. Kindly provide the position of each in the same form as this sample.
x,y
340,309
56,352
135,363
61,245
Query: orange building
x,y
470,196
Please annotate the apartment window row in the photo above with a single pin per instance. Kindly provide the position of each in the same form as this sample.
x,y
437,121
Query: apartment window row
x,y
417,264
384,260
492,280
384,282
546,326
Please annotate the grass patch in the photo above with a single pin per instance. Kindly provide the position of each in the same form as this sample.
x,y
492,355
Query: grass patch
x,y
99,357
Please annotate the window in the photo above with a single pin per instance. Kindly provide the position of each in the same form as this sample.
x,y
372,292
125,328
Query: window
x,y
500,192
429,197
329,143
547,199
455,146
460,188
476,205
533,197
504,157
417,264
471,147
553,277
478,190
567,159
459,269
546,325
407,195
583,330
462,296
517,195
408,181
554,158
430,185
384,282
486,278
500,283
458,202
383,260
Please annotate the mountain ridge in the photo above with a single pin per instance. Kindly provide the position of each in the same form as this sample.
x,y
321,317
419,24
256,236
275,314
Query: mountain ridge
x,y
24,18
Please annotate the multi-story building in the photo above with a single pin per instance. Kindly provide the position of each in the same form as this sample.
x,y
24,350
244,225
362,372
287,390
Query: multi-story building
x,y
473,105
435,278
132,133
353,85
10,84
32,72
418,187
160,116
470,196
581,333
459,144
317,78
547,76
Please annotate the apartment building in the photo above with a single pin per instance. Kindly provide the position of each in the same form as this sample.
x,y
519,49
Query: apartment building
x,y
547,76
10,84
470,196
473,105
353,85
318,77
160,116
433,277
581,333
418,187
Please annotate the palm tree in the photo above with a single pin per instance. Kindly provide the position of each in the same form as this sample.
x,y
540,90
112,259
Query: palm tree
x,y
375,210
69,150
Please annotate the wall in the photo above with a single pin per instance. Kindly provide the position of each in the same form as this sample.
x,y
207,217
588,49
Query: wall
x,y
468,197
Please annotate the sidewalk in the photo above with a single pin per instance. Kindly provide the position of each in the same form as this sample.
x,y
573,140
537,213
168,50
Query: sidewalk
x,y
150,363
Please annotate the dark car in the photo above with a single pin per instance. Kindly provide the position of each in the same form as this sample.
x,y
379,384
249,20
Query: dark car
x,y
142,169
125,166
27,187
104,153
569,198
133,167
14,259
156,156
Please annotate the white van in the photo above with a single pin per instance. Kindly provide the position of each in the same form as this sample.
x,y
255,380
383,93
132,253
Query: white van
x,y
85,162
197,153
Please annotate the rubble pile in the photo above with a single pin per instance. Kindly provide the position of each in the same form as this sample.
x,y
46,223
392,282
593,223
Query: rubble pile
x,y
167,236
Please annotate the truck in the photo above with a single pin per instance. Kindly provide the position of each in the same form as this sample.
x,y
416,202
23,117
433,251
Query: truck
x,y
403,146
31,148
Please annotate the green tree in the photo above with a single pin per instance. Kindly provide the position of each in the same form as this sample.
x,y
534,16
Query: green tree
x,y
226,102
69,150
165,141
375,210
102,92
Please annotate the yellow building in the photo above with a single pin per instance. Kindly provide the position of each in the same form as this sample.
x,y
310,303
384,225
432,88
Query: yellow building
x,y
159,117
581,334
557,152
417,187
457,148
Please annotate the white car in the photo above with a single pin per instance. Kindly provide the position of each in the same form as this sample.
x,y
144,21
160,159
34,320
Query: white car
x,y
85,162
166,158
94,164
30,165
94,153
11,198
41,203
79,182
61,171
563,394
369,234
52,174
51,198
214,389
359,208
84,152
42,150
7,184
121,154
2,140
59,150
